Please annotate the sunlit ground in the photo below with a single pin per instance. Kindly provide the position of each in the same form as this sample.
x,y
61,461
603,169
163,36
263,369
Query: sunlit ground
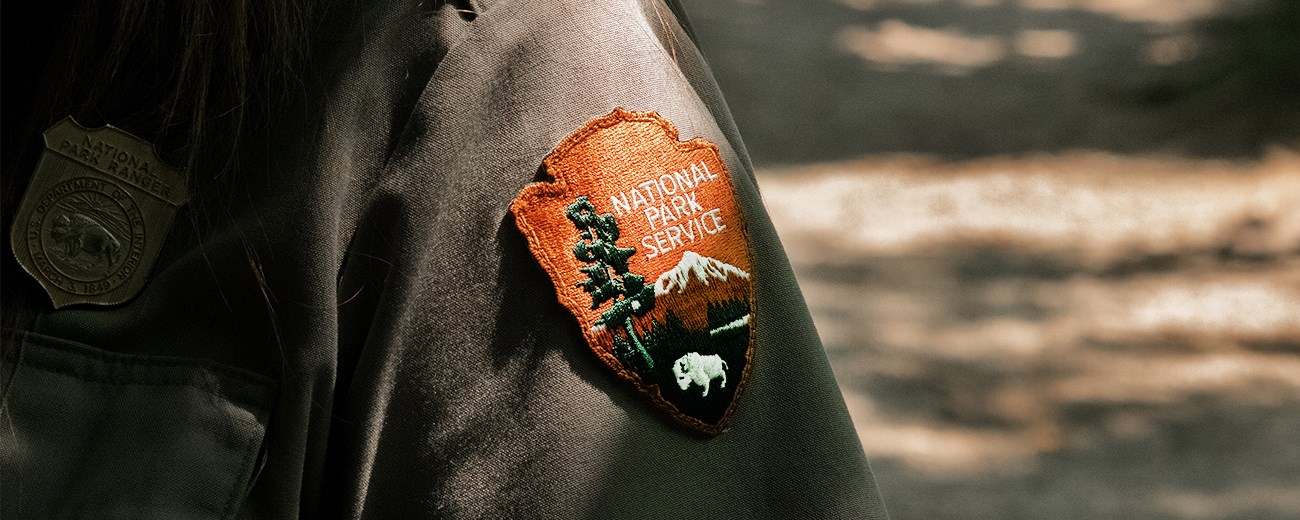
x,y
1025,331
950,49
1078,335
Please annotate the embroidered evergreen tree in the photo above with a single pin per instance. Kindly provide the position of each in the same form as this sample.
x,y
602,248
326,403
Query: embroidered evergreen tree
x,y
607,277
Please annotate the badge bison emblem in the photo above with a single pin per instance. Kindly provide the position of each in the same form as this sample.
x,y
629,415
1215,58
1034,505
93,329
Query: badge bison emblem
x,y
81,234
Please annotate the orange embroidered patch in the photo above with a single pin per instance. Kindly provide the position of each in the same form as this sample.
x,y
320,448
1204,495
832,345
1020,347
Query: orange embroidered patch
x,y
645,243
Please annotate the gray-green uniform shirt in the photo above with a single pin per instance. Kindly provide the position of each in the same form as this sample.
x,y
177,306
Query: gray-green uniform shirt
x,y
365,334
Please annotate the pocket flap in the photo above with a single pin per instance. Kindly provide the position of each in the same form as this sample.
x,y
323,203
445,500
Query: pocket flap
x,y
96,434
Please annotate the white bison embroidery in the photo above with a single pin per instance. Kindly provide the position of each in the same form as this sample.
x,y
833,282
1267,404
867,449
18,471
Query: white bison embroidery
x,y
701,370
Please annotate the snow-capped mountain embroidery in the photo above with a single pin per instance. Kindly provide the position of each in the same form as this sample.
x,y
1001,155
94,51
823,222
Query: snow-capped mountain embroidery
x,y
695,267
695,284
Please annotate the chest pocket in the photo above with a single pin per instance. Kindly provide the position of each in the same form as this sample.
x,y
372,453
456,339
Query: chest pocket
x,y
86,433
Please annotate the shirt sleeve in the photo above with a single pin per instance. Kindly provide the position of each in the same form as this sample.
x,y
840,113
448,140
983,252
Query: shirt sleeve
x,y
471,393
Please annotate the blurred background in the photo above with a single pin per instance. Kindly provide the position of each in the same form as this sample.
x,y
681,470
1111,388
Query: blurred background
x,y
1052,246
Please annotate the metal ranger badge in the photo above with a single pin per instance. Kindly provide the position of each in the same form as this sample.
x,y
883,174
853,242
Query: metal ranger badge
x,y
645,244
95,214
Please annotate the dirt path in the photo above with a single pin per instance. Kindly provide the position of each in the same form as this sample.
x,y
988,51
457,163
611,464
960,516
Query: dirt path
x,y
1058,334
1076,336
819,80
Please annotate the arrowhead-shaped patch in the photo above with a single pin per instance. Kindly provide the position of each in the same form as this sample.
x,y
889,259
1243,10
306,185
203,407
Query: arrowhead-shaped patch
x,y
644,240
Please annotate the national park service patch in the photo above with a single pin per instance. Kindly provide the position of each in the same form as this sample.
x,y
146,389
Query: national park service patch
x,y
644,240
